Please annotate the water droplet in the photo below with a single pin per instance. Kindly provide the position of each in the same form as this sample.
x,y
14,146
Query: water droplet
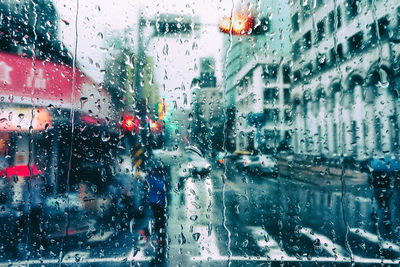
x,y
105,136
196,236
181,239
21,116
83,101
194,217
15,178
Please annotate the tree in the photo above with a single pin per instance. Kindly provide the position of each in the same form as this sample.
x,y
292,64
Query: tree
x,y
119,75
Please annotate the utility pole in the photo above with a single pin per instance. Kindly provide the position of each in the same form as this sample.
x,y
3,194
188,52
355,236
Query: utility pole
x,y
166,25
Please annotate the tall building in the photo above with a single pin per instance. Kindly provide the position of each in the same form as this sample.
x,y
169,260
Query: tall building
x,y
263,105
248,62
345,77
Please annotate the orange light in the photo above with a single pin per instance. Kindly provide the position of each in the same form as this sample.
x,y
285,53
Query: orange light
x,y
240,23
225,24
220,160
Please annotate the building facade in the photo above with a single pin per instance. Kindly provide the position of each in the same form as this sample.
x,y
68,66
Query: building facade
x,y
246,59
263,105
345,77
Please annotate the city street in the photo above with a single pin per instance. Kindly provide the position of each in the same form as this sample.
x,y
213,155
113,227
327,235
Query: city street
x,y
261,219
246,219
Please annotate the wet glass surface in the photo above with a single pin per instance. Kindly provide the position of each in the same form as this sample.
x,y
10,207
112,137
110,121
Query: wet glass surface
x,y
187,133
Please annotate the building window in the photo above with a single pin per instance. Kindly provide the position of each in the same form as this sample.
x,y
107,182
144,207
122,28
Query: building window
x,y
339,17
334,138
373,36
288,115
383,25
331,22
307,41
286,74
271,115
338,55
286,96
339,51
308,69
270,72
320,31
296,51
355,42
352,8
271,95
398,17
378,136
296,76
321,61
319,3
295,22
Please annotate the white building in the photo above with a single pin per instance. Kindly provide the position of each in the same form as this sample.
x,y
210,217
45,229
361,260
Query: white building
x,y
345,77
263,104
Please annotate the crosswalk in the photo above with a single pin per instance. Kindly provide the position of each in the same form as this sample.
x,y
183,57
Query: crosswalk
x,y
209,248
258,243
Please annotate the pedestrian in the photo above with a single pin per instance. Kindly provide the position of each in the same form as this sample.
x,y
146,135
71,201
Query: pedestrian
x,y
157,199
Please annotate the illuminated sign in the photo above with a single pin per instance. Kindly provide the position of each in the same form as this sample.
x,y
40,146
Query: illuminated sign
x,y
21,119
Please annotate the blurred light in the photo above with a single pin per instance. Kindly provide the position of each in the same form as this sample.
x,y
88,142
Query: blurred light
x,y
225,24
240,23
130,123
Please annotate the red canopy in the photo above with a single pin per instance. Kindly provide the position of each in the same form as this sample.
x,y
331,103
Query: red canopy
x,y
20,170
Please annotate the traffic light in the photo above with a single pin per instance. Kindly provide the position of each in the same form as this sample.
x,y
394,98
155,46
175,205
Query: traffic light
x,y
243,23
130,123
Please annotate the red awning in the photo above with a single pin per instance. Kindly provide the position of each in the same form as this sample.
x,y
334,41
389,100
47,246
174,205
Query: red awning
x,y
20,171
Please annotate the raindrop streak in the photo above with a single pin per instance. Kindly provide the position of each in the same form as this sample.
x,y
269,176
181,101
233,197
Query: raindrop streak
x,y
224,176
72,119
337,67
83,101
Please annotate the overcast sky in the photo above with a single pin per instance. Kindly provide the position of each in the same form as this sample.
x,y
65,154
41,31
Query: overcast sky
x,y
176,60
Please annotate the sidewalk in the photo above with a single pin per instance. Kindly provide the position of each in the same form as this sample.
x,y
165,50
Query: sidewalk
x,y
321,174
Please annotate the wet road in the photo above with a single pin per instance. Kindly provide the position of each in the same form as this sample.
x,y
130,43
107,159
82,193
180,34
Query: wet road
x,y
237,218
259,219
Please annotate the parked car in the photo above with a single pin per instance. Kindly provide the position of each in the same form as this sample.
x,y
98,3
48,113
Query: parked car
x,y
263,164
194,163
242,162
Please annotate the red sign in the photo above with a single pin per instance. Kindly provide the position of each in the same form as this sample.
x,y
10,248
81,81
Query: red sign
x,y
48,84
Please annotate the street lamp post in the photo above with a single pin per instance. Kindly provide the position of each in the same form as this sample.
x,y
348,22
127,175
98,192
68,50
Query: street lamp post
x,y
164,25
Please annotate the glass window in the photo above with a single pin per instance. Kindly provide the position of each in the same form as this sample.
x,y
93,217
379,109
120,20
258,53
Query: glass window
x,y
352,8
270,73
331,22
296,50
307,41
355,42
271,95
286,96
286,74
339,17
295,22
199,133
320,31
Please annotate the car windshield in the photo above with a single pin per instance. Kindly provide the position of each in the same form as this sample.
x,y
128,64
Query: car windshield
x,y
199,133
